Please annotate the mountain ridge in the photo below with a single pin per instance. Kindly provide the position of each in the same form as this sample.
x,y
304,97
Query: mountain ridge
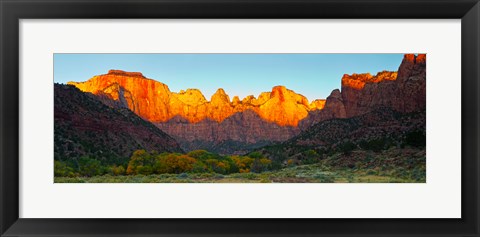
x,y
86,126
155,102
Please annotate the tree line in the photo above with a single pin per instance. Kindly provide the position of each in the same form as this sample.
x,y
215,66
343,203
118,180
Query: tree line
x,y
146,163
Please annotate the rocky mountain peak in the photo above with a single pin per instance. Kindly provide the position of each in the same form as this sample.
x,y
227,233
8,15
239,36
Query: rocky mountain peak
x,y
358,81
279,92
412,65
335,94
124,73
317,104
236,100
249,99
220,96
191,97
414,58
154,102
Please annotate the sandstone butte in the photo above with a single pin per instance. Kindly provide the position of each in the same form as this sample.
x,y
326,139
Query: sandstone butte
x,y
153,100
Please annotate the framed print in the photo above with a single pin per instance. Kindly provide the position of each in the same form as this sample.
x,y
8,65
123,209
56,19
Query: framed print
x,y
239,118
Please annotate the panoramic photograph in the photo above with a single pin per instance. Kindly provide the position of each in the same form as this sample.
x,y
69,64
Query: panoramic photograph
x,y
239,118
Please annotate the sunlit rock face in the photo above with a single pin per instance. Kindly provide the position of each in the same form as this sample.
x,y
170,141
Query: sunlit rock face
x,y
148,98
361,92
403,91
317,104
154,101
358,81
284,107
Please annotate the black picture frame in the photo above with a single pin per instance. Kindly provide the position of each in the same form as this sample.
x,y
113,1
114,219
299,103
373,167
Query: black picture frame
x,y
11,11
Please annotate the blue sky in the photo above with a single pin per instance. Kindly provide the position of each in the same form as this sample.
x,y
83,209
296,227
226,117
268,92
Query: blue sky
x,y
312,75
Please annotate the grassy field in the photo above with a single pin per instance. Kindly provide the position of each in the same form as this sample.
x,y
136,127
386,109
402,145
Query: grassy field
x,y
390,166
299,174
316,173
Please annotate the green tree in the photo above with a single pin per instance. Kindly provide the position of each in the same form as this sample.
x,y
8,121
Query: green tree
x,y
416,139
255,155
261,165
311,157
174,163
89,167
63,170
117,170
141,162
347,147
200,167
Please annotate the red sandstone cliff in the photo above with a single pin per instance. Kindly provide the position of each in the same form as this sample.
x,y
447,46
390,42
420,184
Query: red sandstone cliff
x,y
154,101
404,91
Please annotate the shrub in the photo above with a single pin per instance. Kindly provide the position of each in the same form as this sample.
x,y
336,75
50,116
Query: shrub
x,y
61,169
261,165
117,170
416,139
139,160
376,144
200,167
255,155
311,157
198,154
243,163
90,167
347,147
174,163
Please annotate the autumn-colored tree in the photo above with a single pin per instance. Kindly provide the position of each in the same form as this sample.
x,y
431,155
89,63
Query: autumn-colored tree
x,y
138,161
198,154
290,162
221,167
243,163
118,170
212,164
185,164
174,163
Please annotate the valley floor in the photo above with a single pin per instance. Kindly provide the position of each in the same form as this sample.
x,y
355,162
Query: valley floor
x,y
314,173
